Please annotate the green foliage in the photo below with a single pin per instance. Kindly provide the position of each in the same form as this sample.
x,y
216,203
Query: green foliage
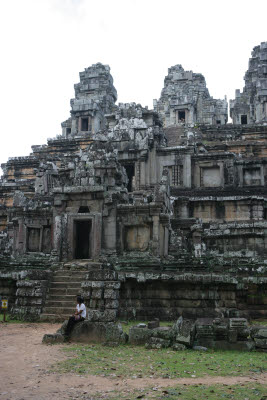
x,y
130,361
10,319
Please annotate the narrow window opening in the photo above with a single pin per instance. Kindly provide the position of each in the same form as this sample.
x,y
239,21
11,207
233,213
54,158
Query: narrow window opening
x,y
68,131
244,119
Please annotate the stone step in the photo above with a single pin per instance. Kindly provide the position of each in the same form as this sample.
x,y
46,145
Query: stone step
x,y
55,297
63,291
67,285
69,272
65,278
45,317
61,303
82,265
59,310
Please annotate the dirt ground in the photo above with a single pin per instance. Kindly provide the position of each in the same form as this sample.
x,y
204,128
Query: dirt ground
x,y
25,362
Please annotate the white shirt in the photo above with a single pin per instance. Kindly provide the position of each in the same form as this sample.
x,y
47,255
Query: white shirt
x,y
83,308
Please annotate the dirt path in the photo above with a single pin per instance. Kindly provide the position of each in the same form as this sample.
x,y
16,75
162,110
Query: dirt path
x,y
24,364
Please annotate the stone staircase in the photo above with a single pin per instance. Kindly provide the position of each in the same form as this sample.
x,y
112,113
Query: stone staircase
x,y
61,298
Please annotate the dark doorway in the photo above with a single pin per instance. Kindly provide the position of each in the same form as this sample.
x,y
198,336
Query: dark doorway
x,y
181,116
84,124
130,173
218,122
82,239
244,119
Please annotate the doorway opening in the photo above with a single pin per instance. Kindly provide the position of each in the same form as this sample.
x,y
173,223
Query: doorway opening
x,y
244,119
130,173
181,116
82,239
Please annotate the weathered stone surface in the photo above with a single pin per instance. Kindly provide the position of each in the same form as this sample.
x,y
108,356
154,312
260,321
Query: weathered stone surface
x,y
199,348
185,331
53,338
157,343
88,331
178,347
99,316
153,324
139,335
146,213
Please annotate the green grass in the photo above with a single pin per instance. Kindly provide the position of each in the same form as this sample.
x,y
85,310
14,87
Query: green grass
x,y
132,362
198,392
9,319
261,321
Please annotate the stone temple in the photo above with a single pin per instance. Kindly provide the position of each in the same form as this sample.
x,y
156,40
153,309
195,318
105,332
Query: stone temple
x,y
146,213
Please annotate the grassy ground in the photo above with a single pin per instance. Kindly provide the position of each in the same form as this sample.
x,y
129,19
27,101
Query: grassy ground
x,y
9,319
135,361
199,392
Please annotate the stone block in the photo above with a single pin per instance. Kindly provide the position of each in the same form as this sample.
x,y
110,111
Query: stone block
x,y
53,338
204,328
164,332
112,285
157,343
240,325
178,347
102,316
109,303
111,294
88,331
139,335
153,324
260,343
185,331
199,348
97,284
258,331
101,275
97,293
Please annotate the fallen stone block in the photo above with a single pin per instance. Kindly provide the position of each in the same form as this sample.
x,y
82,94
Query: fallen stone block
x,y
157,343
258,331
139,335
153,324
178,347
260,343
164,332
53,338
185,331
87,332
199,348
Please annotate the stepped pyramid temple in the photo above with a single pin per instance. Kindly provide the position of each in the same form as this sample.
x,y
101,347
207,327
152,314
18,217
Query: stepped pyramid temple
x,y
147,213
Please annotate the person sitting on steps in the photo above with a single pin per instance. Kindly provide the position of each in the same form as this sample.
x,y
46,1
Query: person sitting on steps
x,y
78,316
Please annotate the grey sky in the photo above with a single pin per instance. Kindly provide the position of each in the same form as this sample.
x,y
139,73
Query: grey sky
x,y
46,43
